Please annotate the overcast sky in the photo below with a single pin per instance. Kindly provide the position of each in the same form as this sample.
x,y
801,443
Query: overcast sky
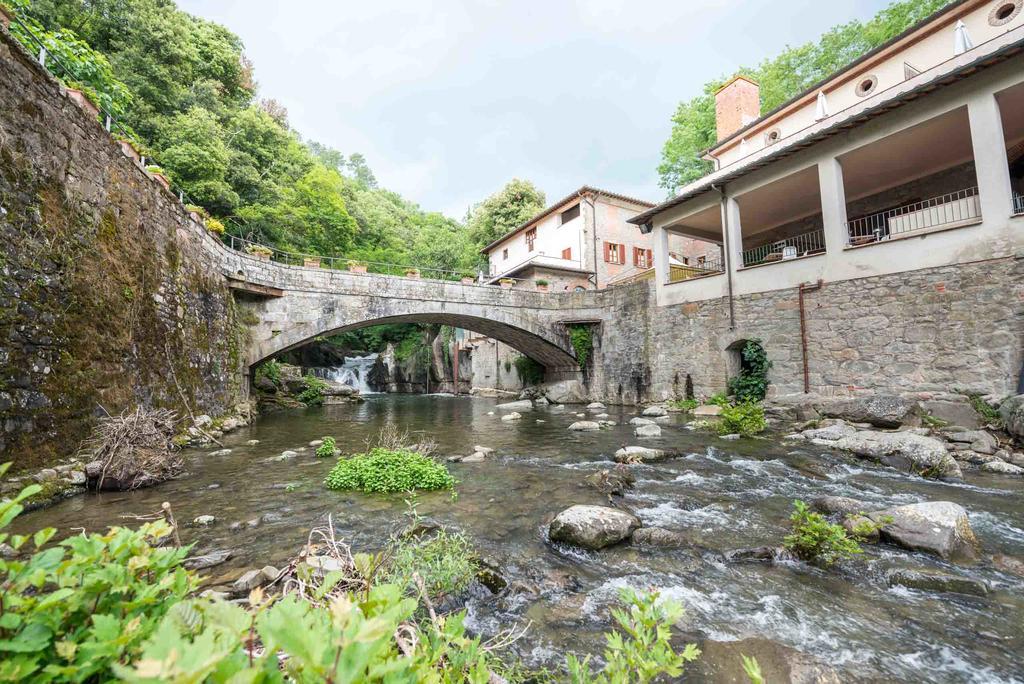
x,y
448,100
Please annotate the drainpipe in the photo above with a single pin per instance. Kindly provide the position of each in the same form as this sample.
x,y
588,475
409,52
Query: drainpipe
x,y
728,253
455,368
804,288
593,214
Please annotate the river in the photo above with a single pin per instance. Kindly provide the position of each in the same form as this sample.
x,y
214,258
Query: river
x,y
723,495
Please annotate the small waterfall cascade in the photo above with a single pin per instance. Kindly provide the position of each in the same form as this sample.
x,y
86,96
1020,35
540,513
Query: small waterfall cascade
x,y
353,372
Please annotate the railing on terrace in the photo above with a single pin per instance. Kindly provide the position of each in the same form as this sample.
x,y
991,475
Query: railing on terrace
x,y
944,210
805,244
681,272
352,265
1018,203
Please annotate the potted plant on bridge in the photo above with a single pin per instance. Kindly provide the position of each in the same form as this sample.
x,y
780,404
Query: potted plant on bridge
x,y
507,282
259,251
6,15
542,285
356,266
468,280
311,261
83,100
412,273
130,149
158,174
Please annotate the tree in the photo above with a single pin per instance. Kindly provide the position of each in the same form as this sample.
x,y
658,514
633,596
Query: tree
x,y
361,170
509,208
781,78
195,154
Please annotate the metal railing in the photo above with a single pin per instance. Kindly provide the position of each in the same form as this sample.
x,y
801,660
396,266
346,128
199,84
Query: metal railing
x,y
352,265
709,267
1018,203
805,244
944,210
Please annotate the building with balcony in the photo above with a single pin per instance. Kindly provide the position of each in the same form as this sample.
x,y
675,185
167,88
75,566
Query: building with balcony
x,y
890,184
584,241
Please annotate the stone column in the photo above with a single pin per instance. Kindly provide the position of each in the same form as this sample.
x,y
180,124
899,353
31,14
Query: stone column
x,y
734,230
833,204
661,262
990,163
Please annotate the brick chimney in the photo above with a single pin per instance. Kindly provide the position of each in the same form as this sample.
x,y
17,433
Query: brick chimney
x,y
737,103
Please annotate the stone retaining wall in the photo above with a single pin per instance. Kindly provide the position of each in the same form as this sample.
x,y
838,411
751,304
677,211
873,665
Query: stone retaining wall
x,y
111,295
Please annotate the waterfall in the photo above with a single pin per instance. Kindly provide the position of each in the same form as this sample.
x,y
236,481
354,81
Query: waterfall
x,y
353,372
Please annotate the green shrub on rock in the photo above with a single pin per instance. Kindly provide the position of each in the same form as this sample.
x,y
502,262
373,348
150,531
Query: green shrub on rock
x,y
313,395
816,540
745,419
384,470
327,449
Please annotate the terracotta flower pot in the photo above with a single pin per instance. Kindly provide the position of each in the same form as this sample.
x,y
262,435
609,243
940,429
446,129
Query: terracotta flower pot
x,y
507,283
468,280
196,217
129,151
261,256
311,262
412,273
162,180
6,17
543,288
79,98
357,268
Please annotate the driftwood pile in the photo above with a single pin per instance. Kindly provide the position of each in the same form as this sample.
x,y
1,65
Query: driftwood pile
x,y
133,450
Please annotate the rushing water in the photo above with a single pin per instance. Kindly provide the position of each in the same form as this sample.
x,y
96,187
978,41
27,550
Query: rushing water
x,y
354,372
722,495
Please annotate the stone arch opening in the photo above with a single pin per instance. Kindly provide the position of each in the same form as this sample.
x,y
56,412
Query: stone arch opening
x,y
735,363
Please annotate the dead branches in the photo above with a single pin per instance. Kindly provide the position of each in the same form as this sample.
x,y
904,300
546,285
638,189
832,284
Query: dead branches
x,y
134,449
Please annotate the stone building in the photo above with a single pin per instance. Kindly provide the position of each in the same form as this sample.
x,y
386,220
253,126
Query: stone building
x,y
872,226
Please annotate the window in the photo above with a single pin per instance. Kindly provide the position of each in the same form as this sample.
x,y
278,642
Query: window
x,y
614,253
701,260
567,253
504,254
773,136
1004,12
866,86
642,257
569,214
531,239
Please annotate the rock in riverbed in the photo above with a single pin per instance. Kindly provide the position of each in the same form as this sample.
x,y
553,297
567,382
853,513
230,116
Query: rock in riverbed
x,y
904,450
522,405
880,410
511,417
1002,468
939,527
592,527
935,581
655,411
584,426
639,454
658,537
641,421
647,431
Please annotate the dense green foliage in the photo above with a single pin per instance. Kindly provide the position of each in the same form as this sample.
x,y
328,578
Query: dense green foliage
x,y
270,370
781,77
327,449
443,562
313,394
512,206
816,540
530,372
582,339
641,651
387,470
752,382
68,612
745,418
683,404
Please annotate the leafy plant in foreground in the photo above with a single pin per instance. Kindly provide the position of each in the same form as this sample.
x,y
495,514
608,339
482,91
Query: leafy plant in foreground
x,y
443,562
745,419
816,540
327,449
384,470
641,650
68,612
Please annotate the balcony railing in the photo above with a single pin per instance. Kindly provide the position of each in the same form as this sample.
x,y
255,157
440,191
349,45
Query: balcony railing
x,y
946,210
680,272
1018,203
805,244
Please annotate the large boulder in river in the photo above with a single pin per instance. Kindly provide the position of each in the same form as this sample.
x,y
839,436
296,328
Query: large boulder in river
x,y
927,580
721,662
647,431
904,450
565,392
584,426
592,527
839,505
639,454
880,410
939,527
1012,413
338,389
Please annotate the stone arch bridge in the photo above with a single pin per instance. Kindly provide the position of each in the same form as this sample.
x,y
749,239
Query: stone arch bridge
x,y
291,305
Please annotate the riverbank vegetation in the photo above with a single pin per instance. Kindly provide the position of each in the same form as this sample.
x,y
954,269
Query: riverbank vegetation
x,y
383,470
121,605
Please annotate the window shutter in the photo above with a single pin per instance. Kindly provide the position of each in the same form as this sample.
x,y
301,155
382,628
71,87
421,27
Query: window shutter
x,y
607,255
622,254
650,258
636,256
567,253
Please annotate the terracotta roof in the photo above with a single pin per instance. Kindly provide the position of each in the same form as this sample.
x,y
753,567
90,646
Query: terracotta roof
x,y
849,67
836,125
584,190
